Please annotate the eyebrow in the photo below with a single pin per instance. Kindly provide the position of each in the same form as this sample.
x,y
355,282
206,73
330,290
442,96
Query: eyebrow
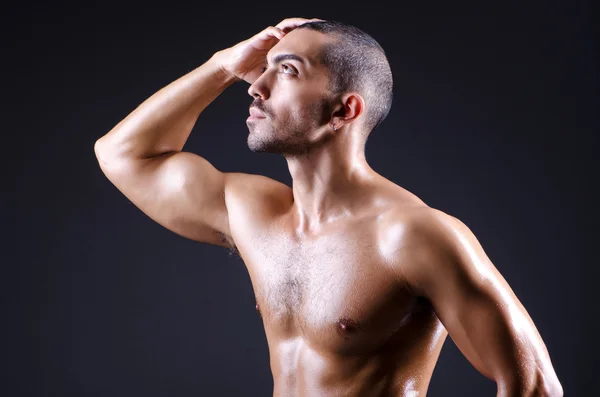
x,y
285,57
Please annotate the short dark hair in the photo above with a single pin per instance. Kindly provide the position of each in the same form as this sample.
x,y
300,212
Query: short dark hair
x,y
357,62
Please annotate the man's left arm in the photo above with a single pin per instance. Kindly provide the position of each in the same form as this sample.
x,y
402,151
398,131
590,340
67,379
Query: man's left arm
x,y
444,262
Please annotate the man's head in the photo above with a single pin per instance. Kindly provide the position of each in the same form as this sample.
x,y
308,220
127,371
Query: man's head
x,y
340,78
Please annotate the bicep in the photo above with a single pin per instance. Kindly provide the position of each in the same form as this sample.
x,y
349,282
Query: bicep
x,y
179,190
479,318
472,299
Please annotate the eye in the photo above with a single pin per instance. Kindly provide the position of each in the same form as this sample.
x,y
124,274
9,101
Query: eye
x,y
287,69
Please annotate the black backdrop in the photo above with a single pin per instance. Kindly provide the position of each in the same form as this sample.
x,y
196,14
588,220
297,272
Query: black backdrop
x,y
493,122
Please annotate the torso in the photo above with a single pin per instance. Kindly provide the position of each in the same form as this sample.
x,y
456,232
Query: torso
x,y
339,320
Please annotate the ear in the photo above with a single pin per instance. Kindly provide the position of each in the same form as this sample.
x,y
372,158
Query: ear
x,y
351,107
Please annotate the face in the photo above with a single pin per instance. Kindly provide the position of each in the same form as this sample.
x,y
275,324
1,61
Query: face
x,y
292,94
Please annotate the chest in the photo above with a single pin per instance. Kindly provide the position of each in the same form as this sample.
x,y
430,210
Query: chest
x,y
333,291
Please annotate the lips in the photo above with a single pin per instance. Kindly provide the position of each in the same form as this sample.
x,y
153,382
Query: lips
x,y
255,113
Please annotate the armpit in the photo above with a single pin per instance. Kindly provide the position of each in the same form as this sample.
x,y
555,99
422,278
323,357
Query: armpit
x,y
228,242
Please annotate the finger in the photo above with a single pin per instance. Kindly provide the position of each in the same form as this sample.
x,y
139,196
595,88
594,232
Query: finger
x,y
291,23
270,32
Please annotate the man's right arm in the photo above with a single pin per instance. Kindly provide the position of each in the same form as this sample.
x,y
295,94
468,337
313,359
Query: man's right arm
x,y
142,156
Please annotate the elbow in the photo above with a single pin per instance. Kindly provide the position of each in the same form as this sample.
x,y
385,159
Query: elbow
x,y
102,149
540,386
546,390
101,153
108,157
98,148
547,384
553,389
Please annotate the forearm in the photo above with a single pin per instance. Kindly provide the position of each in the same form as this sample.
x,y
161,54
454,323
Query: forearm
x,y
164,121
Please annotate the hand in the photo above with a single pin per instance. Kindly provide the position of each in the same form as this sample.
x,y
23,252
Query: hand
x,y
245,60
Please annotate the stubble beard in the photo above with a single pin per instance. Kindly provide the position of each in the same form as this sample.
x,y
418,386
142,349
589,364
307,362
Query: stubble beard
x,y
289,139
265,138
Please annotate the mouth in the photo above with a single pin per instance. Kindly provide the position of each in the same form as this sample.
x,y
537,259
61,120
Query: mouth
x,y
256,114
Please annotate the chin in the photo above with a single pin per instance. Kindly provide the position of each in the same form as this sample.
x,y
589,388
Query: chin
x,y
260,145
261,139
257,143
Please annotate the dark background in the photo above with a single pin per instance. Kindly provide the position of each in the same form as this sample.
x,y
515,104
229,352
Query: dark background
x,y
493,122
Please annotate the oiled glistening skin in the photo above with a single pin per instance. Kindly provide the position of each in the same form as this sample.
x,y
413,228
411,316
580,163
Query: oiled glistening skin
x,y
339,320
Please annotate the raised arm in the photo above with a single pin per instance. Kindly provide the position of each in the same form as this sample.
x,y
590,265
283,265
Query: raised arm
x,y
481,313
142,155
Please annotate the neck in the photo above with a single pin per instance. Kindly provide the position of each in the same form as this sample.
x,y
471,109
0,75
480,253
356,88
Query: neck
x,y
328,183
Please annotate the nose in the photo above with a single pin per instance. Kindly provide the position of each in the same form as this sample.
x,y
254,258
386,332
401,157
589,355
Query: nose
x,y
259,88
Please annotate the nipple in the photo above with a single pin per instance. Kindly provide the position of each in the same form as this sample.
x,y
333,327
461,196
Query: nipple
x,y
258,309
346,326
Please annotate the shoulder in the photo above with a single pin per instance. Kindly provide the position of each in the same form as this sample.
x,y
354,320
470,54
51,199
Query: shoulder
x,y
421,222
415,224
252,182
406,218
422,240
254,202
432,223
251,201
246,189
